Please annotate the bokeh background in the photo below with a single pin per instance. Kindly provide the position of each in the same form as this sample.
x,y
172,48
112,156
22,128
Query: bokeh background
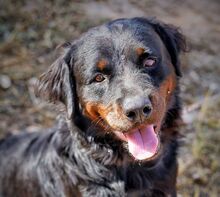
x,y
30,30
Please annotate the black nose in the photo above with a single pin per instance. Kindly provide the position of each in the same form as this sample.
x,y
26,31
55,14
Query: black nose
x,y
137,108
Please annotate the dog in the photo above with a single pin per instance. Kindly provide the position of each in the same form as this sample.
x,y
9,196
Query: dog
x,y
119,83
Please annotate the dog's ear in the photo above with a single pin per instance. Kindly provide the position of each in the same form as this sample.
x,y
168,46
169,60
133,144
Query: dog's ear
x,y
174,41
57,83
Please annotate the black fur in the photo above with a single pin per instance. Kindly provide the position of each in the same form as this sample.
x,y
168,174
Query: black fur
x,y
78,157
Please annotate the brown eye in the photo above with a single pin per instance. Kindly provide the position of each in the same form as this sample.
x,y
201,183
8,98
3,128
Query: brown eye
x,y
149,62
99,78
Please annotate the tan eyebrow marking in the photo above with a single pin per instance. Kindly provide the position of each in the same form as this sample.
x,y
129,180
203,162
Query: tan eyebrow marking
x,y
102,64
140,51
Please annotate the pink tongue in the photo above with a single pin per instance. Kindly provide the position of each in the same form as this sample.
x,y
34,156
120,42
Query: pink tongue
x,y
142,143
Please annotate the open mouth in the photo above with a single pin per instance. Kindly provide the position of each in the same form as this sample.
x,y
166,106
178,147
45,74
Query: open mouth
x,y
143,142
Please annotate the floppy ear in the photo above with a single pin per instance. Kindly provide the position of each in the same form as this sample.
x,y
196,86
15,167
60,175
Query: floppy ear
x,y
57,84
174,41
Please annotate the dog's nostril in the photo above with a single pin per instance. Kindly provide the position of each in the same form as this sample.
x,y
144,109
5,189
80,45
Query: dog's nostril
x,y
131,114
146,110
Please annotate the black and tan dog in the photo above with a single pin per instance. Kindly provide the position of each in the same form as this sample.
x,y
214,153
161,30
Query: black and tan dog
x,y
119,84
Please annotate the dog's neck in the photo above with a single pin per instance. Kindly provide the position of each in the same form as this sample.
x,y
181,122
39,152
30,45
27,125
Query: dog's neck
x,y
101,164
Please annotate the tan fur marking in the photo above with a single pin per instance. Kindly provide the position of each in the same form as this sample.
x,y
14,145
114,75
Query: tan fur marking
x,y
140,51
167,87
102,64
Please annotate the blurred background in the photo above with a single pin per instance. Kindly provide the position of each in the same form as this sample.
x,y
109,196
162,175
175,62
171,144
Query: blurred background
x,y
30,30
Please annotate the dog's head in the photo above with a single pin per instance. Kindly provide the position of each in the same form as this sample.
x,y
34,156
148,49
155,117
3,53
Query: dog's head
x,y
122,76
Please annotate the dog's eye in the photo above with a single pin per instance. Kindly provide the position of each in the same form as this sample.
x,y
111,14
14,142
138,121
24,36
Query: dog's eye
x,y
149,62
99,78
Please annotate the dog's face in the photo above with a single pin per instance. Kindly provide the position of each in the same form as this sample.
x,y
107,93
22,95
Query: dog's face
x,y
124,76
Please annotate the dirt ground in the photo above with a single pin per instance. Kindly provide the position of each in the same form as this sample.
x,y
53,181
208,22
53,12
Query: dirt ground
x,y
31,30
